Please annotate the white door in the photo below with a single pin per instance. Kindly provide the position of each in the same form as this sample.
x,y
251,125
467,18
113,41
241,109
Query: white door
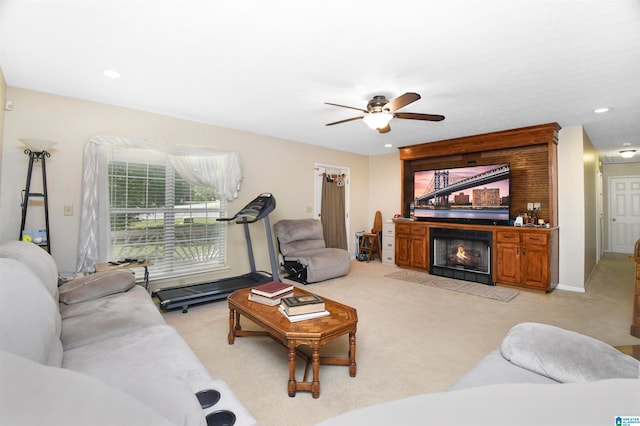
x,y
624,213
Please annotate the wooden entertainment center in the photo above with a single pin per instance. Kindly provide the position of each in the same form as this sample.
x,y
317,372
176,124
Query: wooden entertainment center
x,y
522,256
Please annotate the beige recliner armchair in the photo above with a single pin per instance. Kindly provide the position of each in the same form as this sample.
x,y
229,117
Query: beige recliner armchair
x,y
304,254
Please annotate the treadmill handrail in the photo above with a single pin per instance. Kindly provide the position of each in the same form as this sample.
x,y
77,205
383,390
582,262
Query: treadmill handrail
x,y
257,209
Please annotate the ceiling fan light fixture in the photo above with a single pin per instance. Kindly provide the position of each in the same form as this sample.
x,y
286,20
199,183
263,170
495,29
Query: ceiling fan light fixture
x,y
628,153
377,120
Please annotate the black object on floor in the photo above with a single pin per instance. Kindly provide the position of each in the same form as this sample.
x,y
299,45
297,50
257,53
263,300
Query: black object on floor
x,y
185,296
208,398
221,418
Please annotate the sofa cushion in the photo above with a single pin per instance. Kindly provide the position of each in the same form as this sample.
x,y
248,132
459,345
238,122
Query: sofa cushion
x,y
106,317
96,285
153,352
30,322
138,355
36,259
33,394
564,355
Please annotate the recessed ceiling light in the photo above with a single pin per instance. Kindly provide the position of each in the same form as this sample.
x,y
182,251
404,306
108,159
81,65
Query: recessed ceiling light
x,y
387,145
600,110
111,73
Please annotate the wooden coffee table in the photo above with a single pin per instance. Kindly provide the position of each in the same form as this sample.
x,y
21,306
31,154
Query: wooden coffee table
x,y
313,333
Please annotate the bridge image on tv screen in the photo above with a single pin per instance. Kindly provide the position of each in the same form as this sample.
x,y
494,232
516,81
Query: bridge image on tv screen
x,y
477,193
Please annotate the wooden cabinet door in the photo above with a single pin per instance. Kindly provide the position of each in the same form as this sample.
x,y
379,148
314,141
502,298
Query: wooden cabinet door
x,y
419,252
508,264
403,250
411,245
635,322
535,266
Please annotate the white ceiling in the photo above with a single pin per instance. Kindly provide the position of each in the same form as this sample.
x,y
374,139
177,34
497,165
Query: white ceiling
x,y
268,66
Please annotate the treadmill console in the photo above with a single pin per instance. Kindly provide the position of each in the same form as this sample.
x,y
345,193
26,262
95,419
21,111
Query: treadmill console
x,y
257,209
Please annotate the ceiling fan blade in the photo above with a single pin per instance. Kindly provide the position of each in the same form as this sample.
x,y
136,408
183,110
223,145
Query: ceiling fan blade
x,y
345,106
401,101
344,121
417,116
385,129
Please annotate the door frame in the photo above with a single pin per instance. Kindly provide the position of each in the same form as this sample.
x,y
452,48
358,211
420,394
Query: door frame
x,y
599,215
318,170
610,203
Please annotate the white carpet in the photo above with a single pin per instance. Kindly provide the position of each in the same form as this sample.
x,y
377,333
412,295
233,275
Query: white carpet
x,y
411,339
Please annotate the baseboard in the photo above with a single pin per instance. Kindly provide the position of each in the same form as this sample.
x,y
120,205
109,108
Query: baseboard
x,y
570,288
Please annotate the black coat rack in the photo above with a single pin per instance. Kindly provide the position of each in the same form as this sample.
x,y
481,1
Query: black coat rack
x,y
34,157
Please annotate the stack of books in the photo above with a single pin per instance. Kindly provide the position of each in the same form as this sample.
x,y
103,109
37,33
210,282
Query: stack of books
x,y
270,293
299,308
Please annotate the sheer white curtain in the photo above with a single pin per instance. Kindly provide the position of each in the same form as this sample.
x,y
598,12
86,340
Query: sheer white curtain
x,y
198,166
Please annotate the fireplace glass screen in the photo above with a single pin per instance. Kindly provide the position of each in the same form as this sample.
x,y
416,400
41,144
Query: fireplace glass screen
x,y
461,254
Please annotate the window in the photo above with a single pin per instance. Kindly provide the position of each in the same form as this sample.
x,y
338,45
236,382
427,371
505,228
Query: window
x,y
155,200
155,214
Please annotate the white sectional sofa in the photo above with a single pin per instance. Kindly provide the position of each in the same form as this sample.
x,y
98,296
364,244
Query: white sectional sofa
x,y
94,351
540,375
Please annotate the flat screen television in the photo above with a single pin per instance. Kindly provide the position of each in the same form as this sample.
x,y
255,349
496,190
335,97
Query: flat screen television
x,y
474,194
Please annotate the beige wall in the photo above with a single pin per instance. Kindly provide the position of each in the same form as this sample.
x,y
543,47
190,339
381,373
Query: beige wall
x,y
273,165
571,202
591,175
384,185
282,167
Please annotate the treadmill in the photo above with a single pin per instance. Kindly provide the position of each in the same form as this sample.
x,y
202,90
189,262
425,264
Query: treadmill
x,y
185,296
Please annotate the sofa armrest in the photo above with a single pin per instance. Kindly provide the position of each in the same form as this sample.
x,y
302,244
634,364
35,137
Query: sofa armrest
x,y
96,285
494,369
171,398
564,355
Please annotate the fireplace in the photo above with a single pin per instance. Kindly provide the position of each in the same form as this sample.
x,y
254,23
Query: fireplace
x,y
461,254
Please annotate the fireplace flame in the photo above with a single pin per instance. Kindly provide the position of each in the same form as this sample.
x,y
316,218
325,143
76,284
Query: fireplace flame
x,y
461,254
461,257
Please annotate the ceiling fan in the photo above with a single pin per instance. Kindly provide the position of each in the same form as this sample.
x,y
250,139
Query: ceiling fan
x,y
380,111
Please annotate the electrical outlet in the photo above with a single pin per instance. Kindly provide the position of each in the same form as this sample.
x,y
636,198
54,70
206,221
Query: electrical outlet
x,y
68,210
536,206
529,206
309,209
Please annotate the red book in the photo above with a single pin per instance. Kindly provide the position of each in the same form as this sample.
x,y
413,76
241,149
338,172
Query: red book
x,y
272,289
269,301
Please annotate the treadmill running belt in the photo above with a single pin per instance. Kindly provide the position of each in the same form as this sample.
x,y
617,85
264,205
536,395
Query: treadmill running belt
x,y
183,297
